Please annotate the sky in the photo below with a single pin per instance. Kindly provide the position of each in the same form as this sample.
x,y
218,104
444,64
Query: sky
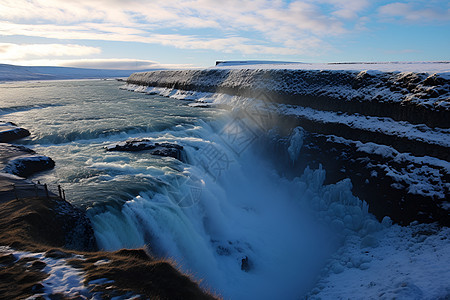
x,y
144,34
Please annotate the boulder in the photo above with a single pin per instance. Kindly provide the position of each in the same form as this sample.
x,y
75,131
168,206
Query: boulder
x,y
27,165
160,149
10,132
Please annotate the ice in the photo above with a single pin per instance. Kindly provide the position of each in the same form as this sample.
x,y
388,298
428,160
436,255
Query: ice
x,y
296,143
408,263
422,175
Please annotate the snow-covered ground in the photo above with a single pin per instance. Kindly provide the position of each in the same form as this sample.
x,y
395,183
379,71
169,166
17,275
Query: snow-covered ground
x,y
62,278
410,262
418,67
16,73
425,88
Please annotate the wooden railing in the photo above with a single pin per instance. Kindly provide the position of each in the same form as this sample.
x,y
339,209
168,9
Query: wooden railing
x,y
32,189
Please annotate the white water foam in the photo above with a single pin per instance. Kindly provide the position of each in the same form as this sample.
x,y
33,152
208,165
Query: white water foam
x,y
249,233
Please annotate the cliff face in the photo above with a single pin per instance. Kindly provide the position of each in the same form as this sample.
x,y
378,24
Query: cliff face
x,y
414,97
388,132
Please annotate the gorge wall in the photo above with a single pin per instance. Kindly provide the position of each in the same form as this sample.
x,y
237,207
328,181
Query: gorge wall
x,y
386,131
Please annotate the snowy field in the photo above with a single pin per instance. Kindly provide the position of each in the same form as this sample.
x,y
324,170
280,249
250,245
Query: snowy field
x,y
403,263
418,67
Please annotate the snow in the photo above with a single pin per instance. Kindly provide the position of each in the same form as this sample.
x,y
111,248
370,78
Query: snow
x,y
388,126
373,67
408,263
296,143
62,278
13,73
420,86
423,175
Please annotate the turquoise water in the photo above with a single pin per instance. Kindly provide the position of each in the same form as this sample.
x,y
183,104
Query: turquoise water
x,y
71,121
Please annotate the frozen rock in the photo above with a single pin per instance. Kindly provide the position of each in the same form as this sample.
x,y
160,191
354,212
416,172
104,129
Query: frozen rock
x,y
386,222
369,241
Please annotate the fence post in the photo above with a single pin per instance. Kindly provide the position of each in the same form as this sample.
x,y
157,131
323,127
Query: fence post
x,y
64,194
46,190
15,192
59,190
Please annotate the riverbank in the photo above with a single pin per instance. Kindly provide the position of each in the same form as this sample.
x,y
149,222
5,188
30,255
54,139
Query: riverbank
x,y
47,246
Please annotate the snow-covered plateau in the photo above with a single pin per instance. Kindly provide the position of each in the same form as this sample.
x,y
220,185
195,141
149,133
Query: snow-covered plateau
x,y
16,73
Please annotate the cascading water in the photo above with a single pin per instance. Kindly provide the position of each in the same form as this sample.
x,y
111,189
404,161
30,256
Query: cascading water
x,y
236,223
227,215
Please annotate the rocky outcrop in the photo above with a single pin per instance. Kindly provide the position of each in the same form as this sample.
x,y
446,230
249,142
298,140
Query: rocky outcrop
x,y
404,187
27,165
22,161
10,132
160,149
414,97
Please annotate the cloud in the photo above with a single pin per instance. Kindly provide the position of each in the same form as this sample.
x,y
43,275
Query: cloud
x,y
109,63
410,12
120,64
255,26
12,52
110,33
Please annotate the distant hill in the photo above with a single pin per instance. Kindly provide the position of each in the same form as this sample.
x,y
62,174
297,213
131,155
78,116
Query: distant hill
x,y
13,73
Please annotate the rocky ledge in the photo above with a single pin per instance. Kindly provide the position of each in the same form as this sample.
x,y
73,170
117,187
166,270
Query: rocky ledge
x,y
22,161
161,149
419,98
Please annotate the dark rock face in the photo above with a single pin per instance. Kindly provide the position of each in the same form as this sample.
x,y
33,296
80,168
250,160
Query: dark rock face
x,y
10,132
78,232
160,149
394,184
